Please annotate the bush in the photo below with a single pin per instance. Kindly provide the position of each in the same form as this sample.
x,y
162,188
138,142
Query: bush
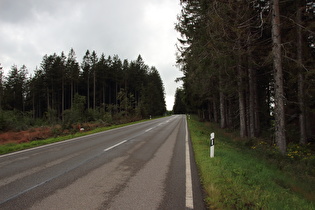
x,y
51,116
3,122
16,120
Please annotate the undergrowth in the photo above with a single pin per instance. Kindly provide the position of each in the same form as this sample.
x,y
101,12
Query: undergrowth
x,y
242,177
13,147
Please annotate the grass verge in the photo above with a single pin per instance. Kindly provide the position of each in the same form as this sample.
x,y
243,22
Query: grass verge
x,y
13,147
239,177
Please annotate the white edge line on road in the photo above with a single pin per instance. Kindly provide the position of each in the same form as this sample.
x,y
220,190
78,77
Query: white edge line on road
x,y
116,145
189,192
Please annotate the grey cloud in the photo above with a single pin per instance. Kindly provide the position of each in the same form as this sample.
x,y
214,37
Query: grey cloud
x,y
12,11
29,29
25,11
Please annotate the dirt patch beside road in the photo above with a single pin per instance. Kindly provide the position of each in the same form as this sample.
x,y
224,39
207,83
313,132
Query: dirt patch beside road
x,y
25,136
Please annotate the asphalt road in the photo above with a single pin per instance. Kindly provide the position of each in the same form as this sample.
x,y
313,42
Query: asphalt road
x,y
148,165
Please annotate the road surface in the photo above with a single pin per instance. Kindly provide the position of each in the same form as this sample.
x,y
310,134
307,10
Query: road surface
x,y
148,165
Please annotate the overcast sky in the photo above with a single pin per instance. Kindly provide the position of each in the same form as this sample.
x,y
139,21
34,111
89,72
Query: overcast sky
x,y
29,29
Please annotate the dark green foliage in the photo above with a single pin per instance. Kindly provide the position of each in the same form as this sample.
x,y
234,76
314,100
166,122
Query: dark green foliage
x,y
17,120
62,91
179,105
15,89
76,113
225,53
153,98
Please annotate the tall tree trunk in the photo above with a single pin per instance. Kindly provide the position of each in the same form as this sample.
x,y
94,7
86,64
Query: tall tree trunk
x,y
1,87
241,95
33,104
278,77
210,118
110,94
300,78
71,93
88,91
256,106
104,95
230,113
62,96
215,111
222,110
257,117
241,103
116,93
222,104
252,97
94,89
48,100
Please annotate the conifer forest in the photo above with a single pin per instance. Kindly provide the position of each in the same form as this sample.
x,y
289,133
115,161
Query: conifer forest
x,y
250,66
63,91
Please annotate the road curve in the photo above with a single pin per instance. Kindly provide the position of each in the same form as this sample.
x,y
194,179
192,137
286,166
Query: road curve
x,y
148,165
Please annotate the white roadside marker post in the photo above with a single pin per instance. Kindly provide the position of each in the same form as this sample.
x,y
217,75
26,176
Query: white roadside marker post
x,y
212,145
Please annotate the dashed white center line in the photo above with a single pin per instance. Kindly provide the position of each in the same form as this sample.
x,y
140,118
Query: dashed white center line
x,y
148,129
116,145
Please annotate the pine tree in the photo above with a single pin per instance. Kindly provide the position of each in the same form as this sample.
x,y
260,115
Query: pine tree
x,y
15,88
58,87
86,67
94,60
278,77
1,86
179,102
73,73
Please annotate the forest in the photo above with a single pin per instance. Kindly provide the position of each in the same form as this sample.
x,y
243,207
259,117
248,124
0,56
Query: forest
x,y
66,92
249,65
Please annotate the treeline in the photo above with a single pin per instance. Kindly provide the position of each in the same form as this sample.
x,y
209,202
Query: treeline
x,y
249,65
100,88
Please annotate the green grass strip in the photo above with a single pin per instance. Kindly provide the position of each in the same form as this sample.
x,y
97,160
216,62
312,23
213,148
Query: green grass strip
x,y
237,178
13,147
